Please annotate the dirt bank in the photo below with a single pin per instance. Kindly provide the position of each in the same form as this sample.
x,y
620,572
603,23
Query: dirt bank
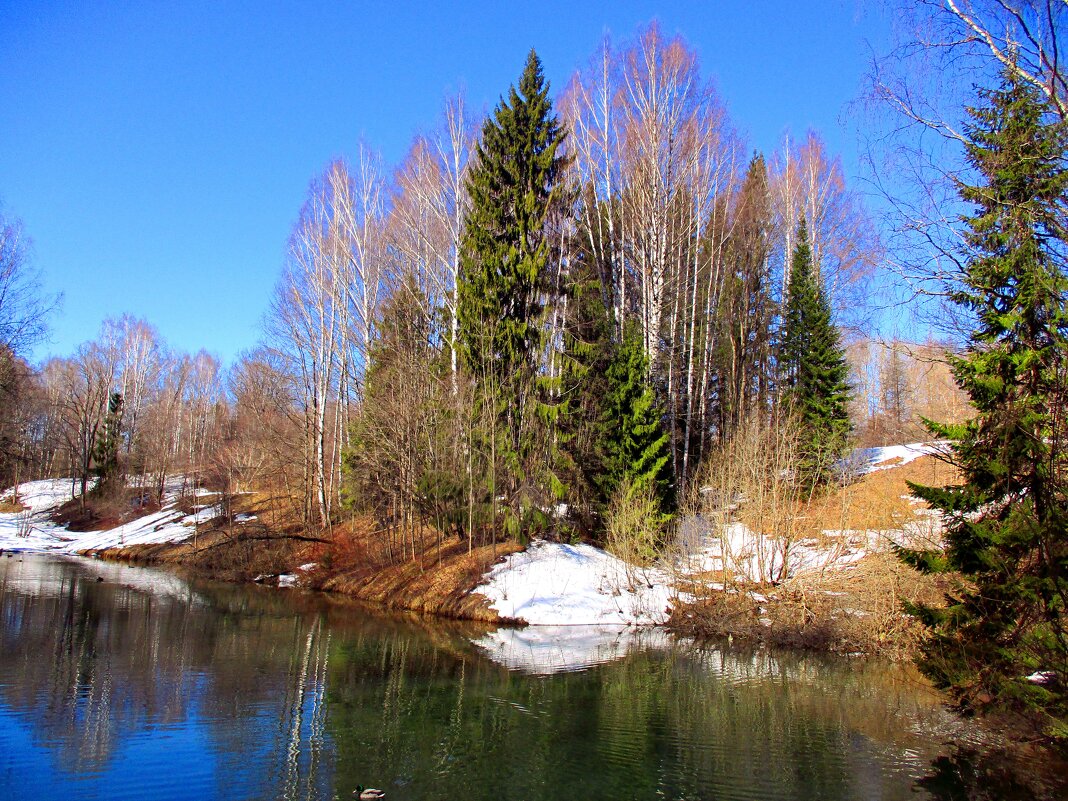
x,y
254,541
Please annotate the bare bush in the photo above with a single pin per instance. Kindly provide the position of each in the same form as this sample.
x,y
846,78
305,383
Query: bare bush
x,y
749,496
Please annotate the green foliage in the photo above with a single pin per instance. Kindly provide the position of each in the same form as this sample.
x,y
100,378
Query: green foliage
x,y
442,499
814,371
635,525
513,185
1006,524
587,352
633,445
108,441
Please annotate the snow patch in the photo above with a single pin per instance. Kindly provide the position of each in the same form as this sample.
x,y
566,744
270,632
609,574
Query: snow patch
x,y
1042,677
868,460
32,530
43,496
750,556
552,584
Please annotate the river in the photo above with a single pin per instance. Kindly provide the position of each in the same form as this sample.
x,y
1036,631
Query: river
x,y
121,682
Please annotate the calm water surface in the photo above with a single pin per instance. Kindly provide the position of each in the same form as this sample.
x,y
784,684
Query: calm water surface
x,y
144,685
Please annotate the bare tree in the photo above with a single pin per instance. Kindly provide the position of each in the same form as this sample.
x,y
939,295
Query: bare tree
x,y
808,182
654,160
323,315
84,384
24,308
427,215
917,111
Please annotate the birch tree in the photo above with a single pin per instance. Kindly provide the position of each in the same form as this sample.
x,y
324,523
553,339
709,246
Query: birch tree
x,y
427,213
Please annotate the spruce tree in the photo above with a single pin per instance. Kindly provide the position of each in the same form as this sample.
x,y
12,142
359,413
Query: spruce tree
x,y
585,357
106,446
813,368
1001,641
632,442
513,185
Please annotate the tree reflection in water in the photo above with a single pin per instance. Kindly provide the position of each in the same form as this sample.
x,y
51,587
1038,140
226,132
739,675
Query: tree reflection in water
x,y
145,686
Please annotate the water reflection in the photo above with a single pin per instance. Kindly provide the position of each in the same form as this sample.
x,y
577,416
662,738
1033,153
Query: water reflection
x,y
214,691
543,650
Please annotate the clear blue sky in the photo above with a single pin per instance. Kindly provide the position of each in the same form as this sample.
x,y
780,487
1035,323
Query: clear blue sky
x,y
158,152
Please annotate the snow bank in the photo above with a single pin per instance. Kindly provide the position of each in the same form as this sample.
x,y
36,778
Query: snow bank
x,y
43,496
31,530
551,584
542,650
167,525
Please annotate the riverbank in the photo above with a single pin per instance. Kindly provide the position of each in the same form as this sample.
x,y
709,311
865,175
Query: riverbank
x,y
834,585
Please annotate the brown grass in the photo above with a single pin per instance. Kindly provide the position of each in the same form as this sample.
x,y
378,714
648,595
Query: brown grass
x,y
439,582
879,500
419,570
856,609
848,611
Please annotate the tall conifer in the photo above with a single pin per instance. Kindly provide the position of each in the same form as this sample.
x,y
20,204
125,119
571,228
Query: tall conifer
x,y
813,368
108,442
1002,640
513,184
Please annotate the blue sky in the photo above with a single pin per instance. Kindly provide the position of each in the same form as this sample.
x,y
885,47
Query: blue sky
x,y
158,152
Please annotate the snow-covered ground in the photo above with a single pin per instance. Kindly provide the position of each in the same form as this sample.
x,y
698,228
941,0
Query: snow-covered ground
x,y
32,530
868,460
552,584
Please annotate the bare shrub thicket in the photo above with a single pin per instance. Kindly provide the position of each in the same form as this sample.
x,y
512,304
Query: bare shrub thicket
x,y
751,481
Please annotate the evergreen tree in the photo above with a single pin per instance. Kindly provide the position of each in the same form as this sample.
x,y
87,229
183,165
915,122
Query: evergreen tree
x,y
587,353
1001,641
633,444
814,371
106,447
513,184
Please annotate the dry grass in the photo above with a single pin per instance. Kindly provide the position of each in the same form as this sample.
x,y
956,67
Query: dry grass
x,y
856,609
849,611
353,558
440,582
220,548
8,507
879,500
421,571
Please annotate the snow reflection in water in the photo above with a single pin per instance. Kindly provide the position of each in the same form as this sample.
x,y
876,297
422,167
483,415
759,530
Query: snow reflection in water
x,y
543,650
